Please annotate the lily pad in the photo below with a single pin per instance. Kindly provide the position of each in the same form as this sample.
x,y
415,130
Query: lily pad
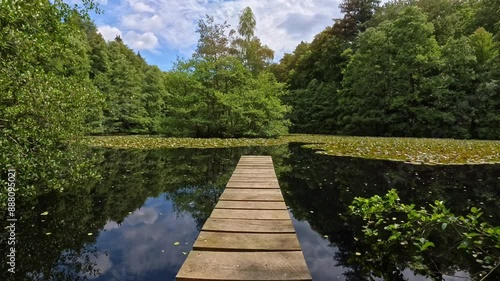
x,y
409,150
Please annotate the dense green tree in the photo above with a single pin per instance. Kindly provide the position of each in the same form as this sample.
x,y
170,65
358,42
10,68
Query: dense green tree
x,y
356,14
223,90
361,102
248,47
154,93
213,43
386,83
286,66
125,110
46,95
415,73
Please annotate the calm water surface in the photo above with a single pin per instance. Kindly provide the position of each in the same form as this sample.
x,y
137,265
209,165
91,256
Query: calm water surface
x,y
141,219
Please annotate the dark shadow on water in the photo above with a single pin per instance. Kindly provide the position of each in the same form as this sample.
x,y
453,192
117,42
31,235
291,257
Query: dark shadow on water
x,y
141,219
319,189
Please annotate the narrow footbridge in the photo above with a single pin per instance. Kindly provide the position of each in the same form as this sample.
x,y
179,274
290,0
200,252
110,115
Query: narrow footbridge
x,y
249,235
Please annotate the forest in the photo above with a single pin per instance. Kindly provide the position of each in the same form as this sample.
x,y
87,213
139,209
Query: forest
x,y
412,68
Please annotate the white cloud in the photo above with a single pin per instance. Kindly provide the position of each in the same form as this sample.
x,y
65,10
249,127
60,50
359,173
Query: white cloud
x,y
138,41
143,215
281,24
109,32
142,22
141,7
110,225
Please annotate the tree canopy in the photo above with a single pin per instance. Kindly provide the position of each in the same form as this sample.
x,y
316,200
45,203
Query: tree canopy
x,y
407,68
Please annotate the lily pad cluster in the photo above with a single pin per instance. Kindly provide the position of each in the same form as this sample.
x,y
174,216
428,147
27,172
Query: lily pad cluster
x,y
411,150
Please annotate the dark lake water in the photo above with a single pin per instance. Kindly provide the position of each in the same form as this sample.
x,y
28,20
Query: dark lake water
x,y
126,225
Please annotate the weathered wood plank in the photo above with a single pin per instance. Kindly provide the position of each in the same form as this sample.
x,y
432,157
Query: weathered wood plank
x,y
254,171
251,205
275,191
249,226
250,214
248,177
256,158
245,266
224,241
254,177
249,164
256,161
257,185
232,196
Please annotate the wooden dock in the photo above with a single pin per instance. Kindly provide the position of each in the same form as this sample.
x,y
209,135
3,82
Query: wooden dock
x,y
249,235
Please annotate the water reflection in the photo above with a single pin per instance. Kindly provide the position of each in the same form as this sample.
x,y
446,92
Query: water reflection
x,y
319,188
126,226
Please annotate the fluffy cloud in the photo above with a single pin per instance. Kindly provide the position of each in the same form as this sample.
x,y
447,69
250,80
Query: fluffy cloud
x,y
281,24
144,41
145,215
141,7
109,32
142,22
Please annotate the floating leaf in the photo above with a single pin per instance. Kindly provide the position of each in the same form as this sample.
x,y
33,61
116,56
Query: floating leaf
x,y
176,243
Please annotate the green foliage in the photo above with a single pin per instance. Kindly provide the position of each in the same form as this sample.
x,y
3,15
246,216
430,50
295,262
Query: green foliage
x,y
391,224
46,96
419,68
386,83
218,94
255,56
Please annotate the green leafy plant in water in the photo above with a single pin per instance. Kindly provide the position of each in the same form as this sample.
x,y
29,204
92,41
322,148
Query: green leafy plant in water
x,y
392,226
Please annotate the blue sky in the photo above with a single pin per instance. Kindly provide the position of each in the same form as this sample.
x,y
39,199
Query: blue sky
x,y
162,30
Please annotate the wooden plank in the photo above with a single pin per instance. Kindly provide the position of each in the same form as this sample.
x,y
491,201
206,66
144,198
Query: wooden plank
x,y
256,160
244,266
251,205
250,196
250,214
249,226
230,241
254,171
248,177
255,156
252,164
254,177
257,167
275,191
239,184
256,163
